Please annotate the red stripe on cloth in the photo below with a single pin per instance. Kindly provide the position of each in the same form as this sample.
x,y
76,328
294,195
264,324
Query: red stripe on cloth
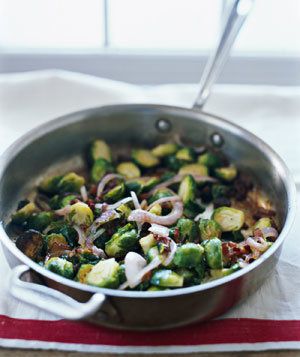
x,y
212,332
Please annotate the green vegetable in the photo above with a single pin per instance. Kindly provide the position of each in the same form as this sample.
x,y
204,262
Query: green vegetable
x,y
213,253
99,169
152,253
188,230
83,272
226,173
210,160
81,214
187,191
134,185
156,288
185,154
194,169
123,241
70,182
219,191
150,183
129,170
163,150
263,223
167,279
50,184
55,241
230,219
172,163
99,150
220,273
60,266
61,227
115,194
156,209
67,200
147,242
209,229
39,221
125,210
160,193
31,244
144,158
24,213
105,274
190,277
189,255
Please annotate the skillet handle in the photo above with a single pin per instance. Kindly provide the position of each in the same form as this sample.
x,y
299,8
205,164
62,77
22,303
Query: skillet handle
x,y
237,16
51,300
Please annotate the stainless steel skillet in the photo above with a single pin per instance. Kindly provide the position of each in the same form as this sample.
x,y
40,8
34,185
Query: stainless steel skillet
x,y
60,142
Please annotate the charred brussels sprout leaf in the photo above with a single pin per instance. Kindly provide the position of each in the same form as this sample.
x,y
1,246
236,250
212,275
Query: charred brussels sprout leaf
x,y
230,219
24,213
115,193
31,244
83,272
60,266
185,155
213,253
129,170
209,229
99,150
189,255
124,240
144,158
227,174
188,230
81,214
39,221
70,182
105,274
167,279
100,168
194,169
163,150
210,160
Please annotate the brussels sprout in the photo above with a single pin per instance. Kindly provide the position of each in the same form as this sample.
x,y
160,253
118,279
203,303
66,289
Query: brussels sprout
x,y
124,209
192,209
163,150
60,266
150,183
172,163
105,274
160,193
156,209
115,194
129,170
70,182
67,200
122,275
188,230
219,191
156,288
187,189
167,279
24,213
237,236
185,154
83,272
230,219
209,229
189,276
99,150
50,184
81,214
213,253
152,253
210,160
220,273
88,257
102,239
55,241
123,241
134,185
194,169
31,244
227,174
61,227
99,169
39,221
263,223
147,242
144,158
189,255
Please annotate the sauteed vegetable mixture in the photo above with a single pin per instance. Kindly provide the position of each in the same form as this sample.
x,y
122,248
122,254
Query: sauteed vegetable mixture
x,y
169,217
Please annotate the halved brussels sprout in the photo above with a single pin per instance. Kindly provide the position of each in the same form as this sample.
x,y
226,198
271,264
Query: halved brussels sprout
x,y
123,241
152,253
213,253
167,279
104,274
190,277
194,169
220,273
263,223
160,193
81,214
129,170
39,221
135,185
172,163
189,255
185,154
83,272
219,191
156,209
147,242
54,241
209,229
124,209
50,184
61,227
67,200
187,189
122,274
24,213
70,182
99,150
60,266
144,158
31,244
227,174
230,219
210,160
99,169
163,150
188,230
149,183
115,194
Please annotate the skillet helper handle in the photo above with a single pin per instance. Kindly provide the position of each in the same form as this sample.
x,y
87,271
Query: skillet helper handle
x,y
236,17
51,300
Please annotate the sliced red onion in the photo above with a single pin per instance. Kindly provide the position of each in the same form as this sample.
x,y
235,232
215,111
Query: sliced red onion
x,y
269,232
159,230
135,200
115,205
84,193
105,180
81,235
99,252
170,256
104,218
259,244
206,214
163,200
63,211
142,216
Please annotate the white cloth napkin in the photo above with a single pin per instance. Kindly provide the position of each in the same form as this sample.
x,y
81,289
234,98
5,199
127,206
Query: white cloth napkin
x,y
272,113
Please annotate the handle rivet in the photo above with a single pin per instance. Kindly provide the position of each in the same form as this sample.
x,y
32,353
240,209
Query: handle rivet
x,y
217,140
163,125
